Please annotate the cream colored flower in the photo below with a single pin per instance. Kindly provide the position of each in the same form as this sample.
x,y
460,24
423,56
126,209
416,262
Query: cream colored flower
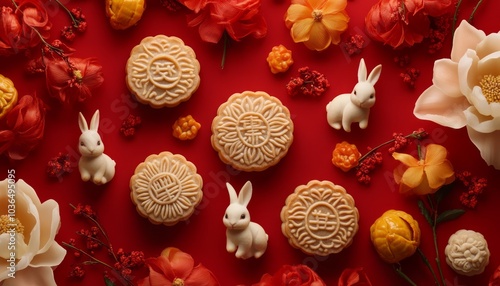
x,y
466,90
34,228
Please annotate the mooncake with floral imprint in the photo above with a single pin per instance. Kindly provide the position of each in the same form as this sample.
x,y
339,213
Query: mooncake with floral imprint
x,y
252,131
319,218
162,71
165,188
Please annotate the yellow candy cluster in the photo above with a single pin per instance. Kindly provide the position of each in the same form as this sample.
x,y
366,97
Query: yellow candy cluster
x,y
185,128
8,95
279,59
395,235
124,13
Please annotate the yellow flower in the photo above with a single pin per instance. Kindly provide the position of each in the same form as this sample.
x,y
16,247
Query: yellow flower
x,y
424,176
317,23
395,236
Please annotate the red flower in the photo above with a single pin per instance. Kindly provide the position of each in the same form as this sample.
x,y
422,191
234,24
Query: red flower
x,y
16,27
24,126
495,278
174,267
296,275
403,23
354,277
239,18
73,80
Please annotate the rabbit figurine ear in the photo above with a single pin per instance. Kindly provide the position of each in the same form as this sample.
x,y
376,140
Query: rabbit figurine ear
x,y
233,197
374,75
245,194
94,122
362,71
82,123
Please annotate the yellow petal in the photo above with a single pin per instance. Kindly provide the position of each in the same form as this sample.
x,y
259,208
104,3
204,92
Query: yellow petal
x,y
334,6
319,39
406,159
437,175
413,176
297,12
301,30
435,154
335,22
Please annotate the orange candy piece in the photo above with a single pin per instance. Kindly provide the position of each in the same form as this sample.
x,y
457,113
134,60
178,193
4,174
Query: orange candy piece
x,y
185,128
279,59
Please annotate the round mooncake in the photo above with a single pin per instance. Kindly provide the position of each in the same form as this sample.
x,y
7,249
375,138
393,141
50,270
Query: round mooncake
x,y
319,218
162,71
165,188
252,131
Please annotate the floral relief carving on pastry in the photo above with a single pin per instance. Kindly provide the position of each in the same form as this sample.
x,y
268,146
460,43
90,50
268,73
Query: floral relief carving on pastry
x,y
166,188
253,130
162,71
320,218
467,252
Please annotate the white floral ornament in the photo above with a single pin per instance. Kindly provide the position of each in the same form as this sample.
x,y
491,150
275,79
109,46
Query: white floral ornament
x,y
467,252
466,90
36,225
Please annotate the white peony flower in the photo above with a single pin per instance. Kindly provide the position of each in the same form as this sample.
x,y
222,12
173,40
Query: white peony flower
x,y
33,226
466,90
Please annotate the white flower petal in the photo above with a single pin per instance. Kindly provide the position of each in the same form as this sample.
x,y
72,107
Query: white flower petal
x,y
489,64
446,77
467,72
477,99
53,256
41,276
465,37
489,45
487,143
480,122
438,107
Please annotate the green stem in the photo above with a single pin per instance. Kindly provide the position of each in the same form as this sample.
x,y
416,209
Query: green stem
x,y
223,61
404,276
416,135
474,10
428,264
101,229
455,17
75,21
436,248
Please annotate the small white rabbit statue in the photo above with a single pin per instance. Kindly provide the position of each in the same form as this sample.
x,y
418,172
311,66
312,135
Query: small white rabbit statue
x,y
243,236
347,108
94,164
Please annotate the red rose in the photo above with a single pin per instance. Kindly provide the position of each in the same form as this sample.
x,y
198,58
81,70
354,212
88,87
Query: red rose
x,y
495,278
17,27
73,80
24,126
397,23
239,18
288,275
354,277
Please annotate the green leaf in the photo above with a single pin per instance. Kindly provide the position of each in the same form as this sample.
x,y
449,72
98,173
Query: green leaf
x,y
108,282
424,211
449,215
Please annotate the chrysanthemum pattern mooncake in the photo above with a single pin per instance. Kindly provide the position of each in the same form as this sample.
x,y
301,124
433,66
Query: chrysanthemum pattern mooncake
x,y
252,131
162,71
166,188
319,218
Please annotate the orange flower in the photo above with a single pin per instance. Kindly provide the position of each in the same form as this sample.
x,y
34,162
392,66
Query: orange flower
x,y
345,156
424,176
174,267
317,23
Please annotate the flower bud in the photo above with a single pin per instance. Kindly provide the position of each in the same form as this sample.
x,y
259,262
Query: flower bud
x,y
124,14
395,235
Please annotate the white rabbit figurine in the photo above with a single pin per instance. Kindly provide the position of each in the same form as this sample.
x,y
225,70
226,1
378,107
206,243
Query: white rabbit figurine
x,y
347,108
94,164
243,236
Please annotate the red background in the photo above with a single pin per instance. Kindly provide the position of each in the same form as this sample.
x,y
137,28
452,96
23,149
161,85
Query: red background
x,y
203,235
